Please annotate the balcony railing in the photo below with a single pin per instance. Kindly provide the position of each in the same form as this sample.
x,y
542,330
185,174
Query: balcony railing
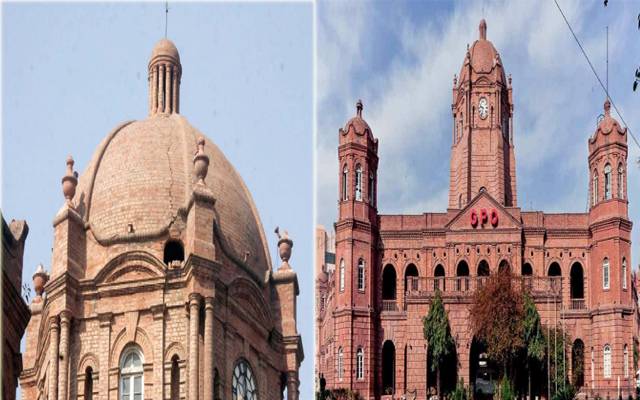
x,y
578,304
418,287
389,305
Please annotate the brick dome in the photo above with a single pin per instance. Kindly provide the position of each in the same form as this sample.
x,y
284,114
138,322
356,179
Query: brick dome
x,y
140,179
483,57
165,47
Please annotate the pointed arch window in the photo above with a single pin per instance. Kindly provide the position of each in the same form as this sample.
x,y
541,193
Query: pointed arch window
x,y
345,176
620,182
243,383
88,384
606,361
624,273
340,363
361,274
360,363
359,182
607,182
605,274
175,378
594,189
131,378
341,277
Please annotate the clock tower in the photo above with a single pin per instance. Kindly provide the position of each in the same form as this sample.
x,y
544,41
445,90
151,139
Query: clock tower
x,y
482,153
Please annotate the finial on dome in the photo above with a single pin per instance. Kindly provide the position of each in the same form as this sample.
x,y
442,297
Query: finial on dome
x,y
607,107
165,72
359,108
455,79
201,162
69,181
40,278
483,29
285,244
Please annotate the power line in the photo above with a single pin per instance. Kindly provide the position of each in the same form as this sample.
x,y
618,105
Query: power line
x,y
596,74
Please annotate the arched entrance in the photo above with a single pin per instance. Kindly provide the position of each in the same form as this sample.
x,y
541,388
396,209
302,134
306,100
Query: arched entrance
x,y
462,272
389,283
410,273
577,363
439,282
577,286
448,373
555,272
483,272
388,368
504,267
483,375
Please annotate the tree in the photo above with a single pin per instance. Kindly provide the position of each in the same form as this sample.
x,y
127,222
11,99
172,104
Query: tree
x,y
438,335
496,318
533,336
558,350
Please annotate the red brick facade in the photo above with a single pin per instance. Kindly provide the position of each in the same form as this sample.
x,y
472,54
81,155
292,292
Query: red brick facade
x,y
578,265
161,283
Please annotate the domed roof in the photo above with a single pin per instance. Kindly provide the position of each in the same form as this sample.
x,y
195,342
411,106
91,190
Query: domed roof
x,y
483,56
165,47
359,125
608,126
142,174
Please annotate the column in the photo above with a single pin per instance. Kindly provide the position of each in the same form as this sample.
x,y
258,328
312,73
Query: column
x,y
208,348
54,337
174,90
292,385
65,322
167,86
194,317
161,89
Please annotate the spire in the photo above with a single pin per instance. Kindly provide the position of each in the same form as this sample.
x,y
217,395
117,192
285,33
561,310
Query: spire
x,y
359,108
483,29
607,107
165,72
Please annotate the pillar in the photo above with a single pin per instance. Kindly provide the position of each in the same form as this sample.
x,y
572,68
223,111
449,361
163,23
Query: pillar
x,y
208,348
161,99
194,318
54,337
167,89
292,385
63,369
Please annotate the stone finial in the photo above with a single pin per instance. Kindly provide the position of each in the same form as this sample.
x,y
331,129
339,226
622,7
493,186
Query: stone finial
x,y
201,162
40,278
455,79
359,108
284,247
483,29
69,181
607,107
509,79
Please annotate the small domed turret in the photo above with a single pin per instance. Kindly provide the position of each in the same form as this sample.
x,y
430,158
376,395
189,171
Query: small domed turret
x,y
165,72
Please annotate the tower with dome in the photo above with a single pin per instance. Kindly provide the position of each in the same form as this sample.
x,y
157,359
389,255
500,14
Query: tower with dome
x,y
161,284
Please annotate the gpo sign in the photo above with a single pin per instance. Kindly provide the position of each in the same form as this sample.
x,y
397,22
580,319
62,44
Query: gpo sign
x,y
483,216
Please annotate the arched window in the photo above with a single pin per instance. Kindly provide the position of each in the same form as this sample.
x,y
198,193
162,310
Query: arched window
x,y
389,283
345,175
175,378
577,281
526,270
340,363
554,272
605,273
88,384
607,182
577,363
359,182
462,272
606,361
483,268
410,278
594,190
360,364
620,182
361,274
243,383
624,273
626,361
504,267
439,282
173,251
131,379
341,277
371,189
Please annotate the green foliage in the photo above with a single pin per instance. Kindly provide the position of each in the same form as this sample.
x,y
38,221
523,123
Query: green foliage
x,y
338,394
565,393
532,330
558,352
506,389
460,392
437,332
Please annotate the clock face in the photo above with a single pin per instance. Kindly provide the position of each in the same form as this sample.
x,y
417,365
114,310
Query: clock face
x,y
483,108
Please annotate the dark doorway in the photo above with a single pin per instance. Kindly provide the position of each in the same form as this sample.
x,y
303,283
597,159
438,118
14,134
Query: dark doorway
x,y
388,368
389,283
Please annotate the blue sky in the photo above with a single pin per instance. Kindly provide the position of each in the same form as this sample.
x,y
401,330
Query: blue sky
x,y
400,58
71,72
